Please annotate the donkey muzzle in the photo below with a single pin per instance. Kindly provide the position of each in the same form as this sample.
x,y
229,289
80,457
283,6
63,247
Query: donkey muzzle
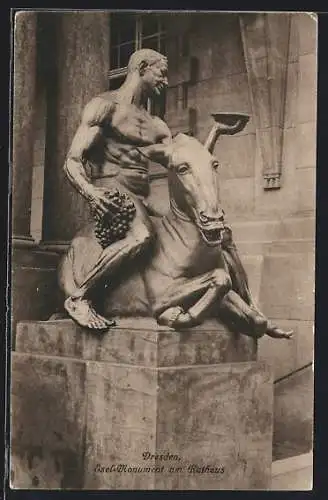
x,y
211,228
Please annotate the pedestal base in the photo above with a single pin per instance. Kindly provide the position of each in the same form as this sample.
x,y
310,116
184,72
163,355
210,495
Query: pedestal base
x,y
93,417
34,288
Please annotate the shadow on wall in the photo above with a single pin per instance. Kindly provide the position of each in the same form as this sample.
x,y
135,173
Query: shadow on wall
x,y
47,438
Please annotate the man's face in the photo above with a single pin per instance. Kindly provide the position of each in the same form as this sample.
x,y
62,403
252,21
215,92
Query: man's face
x,y
155,77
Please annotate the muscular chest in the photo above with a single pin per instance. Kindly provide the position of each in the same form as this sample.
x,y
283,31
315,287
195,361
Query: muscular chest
x,y
135,126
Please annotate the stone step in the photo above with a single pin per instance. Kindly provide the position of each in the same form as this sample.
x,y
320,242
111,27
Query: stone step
x,y
293,414
136,341
293,473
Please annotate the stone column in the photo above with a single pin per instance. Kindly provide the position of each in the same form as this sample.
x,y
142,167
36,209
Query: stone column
x,y
23,115
80,55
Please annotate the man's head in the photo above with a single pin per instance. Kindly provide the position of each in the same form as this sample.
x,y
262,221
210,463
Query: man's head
x,y
152,69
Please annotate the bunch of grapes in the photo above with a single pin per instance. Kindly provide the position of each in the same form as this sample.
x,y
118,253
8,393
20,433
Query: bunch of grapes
x,y
114,226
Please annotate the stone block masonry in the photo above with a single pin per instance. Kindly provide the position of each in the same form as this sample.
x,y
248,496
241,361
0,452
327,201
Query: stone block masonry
x,y
142,407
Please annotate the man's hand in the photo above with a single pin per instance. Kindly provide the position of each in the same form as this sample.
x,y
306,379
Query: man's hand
x,y
100,202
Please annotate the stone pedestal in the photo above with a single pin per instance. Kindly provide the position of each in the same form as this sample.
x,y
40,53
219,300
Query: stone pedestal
x,y
89,411
34,290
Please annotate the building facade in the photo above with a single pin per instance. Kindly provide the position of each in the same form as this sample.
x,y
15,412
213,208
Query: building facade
x,y
262,64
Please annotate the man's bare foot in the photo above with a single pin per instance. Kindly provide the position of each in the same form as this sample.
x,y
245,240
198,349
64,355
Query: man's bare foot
x,y
81,311
276,333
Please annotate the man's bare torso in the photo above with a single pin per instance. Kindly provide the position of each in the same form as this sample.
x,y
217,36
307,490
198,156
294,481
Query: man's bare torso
x,y
124,128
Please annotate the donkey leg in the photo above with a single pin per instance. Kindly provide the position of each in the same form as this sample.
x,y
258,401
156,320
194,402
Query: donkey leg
x,y
211,287
275,332
241,286
240,316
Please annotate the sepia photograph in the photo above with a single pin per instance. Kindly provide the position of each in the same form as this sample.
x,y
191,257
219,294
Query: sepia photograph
x,y
163,168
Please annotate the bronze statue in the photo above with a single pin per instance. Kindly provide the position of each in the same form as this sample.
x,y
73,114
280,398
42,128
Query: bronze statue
x,y
193,268
113,125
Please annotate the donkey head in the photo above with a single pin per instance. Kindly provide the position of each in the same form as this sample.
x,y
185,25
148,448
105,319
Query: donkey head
x,y
193,183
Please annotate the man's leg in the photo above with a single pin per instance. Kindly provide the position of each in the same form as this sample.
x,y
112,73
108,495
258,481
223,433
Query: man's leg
x,y
111,258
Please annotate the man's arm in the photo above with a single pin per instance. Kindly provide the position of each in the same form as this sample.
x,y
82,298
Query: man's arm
x,y
87,135
151,153
165,136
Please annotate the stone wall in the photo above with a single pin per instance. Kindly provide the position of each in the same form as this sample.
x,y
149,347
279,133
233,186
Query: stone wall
x,y
274,229
222,85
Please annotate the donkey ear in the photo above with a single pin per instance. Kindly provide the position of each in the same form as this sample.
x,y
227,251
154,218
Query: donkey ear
x,y
159,153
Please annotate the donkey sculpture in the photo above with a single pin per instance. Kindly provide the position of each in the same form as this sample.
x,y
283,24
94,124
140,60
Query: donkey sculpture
x,y
192,271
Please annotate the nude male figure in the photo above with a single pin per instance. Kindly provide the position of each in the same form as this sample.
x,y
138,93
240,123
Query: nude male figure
x,y
114,124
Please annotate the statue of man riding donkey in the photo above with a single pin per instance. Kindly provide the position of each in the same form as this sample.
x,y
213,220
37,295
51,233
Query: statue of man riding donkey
x,y
192,268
